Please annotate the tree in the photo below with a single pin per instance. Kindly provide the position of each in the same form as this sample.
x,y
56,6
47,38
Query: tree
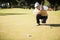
x,y
54,3
19,1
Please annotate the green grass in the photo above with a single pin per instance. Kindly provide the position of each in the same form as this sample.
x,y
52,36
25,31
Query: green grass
x,y
14,26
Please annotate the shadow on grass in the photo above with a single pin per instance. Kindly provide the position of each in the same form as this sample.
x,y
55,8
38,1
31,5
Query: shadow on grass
x,y
52,25
4,14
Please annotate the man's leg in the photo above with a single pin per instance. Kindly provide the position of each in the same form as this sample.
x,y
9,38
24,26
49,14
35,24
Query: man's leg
x,y
44,19
37,19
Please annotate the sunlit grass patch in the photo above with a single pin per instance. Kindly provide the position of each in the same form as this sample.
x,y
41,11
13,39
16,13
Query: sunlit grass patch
x,y
23,27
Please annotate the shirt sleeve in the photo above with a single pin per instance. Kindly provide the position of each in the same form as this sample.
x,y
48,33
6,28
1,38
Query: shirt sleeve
x,y
45,7
35,11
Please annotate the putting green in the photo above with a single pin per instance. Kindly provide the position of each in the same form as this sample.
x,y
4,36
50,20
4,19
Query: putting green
x,y
14,26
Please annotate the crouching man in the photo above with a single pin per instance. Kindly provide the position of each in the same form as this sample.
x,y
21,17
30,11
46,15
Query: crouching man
x,y
41,13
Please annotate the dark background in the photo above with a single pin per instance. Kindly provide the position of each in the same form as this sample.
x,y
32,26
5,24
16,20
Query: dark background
x,y
54,4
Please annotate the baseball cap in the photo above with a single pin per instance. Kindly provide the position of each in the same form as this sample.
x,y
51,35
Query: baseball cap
x,y
36,4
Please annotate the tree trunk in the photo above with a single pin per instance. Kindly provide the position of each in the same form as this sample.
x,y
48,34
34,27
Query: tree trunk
x,y
18,3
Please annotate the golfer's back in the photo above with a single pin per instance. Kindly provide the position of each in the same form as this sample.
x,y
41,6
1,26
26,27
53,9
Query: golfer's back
x,y
43,11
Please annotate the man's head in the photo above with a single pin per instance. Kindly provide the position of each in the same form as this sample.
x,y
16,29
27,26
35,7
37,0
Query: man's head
x,y
37,5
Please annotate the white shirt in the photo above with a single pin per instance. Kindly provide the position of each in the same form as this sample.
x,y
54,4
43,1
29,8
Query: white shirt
x,y
36,10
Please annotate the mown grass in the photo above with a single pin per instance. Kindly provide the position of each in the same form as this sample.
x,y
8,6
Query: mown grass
x,y
14,26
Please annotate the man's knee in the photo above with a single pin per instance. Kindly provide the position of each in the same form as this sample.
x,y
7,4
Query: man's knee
x,y
44,19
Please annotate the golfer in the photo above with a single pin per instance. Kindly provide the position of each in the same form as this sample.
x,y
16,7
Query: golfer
x,y
41,13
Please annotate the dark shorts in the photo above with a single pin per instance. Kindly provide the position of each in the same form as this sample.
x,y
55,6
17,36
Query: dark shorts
x,y
43,18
